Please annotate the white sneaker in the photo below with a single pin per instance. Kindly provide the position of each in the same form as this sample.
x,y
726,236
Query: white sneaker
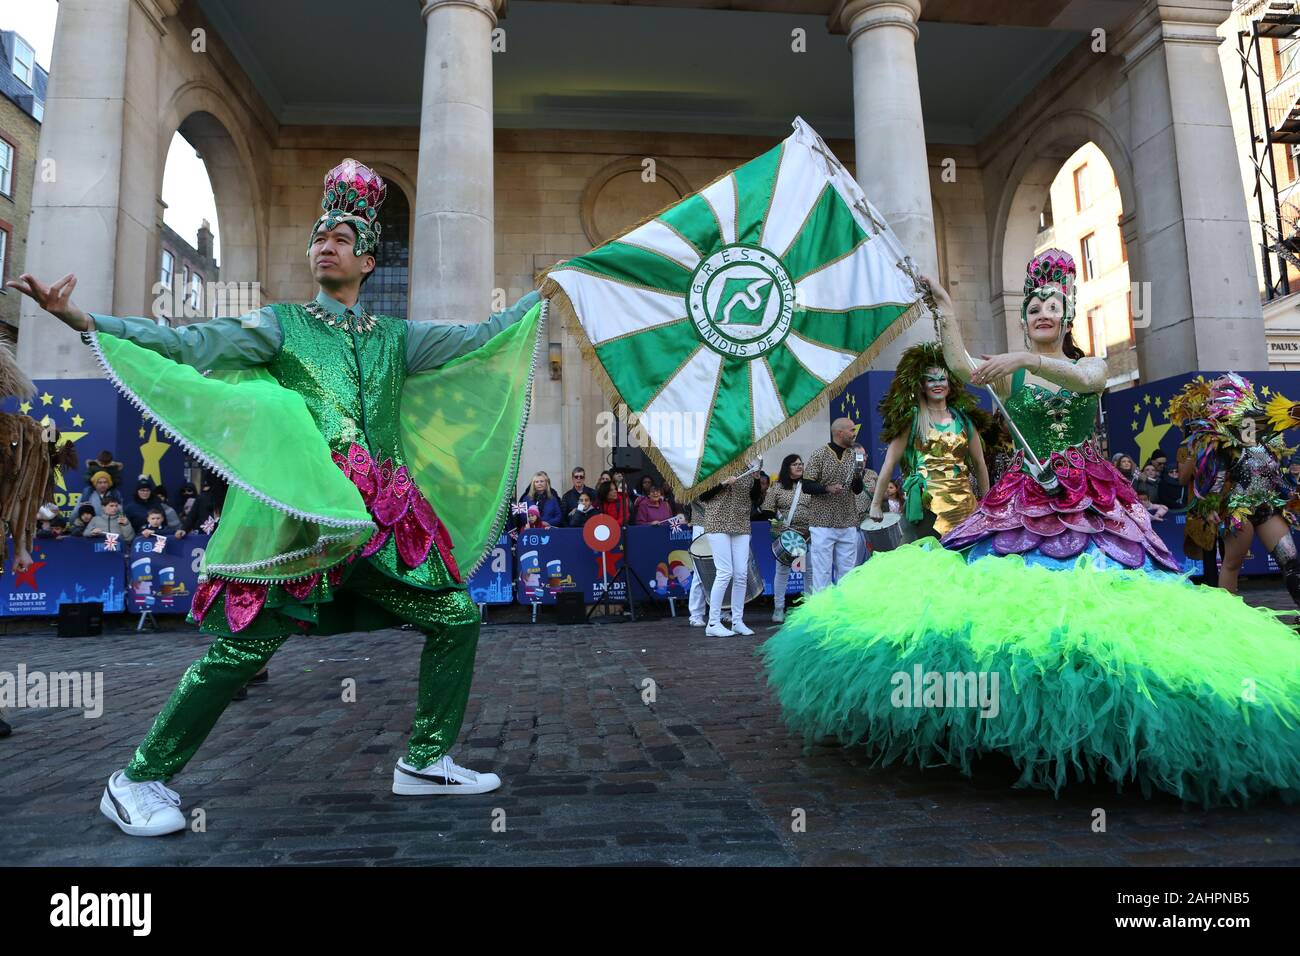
x,y
778,616
141,809
741,628
441,776
717,630
697,622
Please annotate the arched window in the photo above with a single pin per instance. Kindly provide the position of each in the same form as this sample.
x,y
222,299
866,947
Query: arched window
x,y
385,291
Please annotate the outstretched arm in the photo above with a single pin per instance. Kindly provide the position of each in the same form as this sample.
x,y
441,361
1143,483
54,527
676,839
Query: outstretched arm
x,y
430,344
955,355
1087,375
226,343
954,348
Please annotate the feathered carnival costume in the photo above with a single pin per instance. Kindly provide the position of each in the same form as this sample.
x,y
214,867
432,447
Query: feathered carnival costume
x,y
1054,630
1236,448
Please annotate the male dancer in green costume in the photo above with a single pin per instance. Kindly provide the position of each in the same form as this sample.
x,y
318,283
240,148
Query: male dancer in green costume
x,y
318,538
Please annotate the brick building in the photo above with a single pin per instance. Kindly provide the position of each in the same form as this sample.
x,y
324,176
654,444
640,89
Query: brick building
x,y
184,271
22,106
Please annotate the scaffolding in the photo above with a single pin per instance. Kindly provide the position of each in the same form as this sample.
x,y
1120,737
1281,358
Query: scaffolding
x,y
1273,121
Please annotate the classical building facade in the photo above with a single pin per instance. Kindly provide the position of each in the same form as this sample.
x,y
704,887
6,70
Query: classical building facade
x,y
517,136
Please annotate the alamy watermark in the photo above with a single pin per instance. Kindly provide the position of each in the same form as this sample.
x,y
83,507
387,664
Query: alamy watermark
x,y
921,688
79,690
682,430
201,300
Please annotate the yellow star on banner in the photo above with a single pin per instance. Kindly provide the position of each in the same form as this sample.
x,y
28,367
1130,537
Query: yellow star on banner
x,y
1265,391
1146,399
1158,401
1148,440
66,404
47,398
141,431
151,452
77,420
1137,409
63,436
25,407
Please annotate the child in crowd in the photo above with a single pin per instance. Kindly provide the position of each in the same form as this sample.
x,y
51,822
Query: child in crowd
x,y
1158,512
52,528
81,521
112,521
155,523
585,510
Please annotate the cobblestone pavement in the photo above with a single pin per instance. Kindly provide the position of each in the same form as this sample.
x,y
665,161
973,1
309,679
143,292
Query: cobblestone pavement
x,y
705,775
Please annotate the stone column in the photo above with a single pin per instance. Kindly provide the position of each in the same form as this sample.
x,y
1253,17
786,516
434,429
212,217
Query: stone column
x,y
93,207
889,131
453,256
1195,247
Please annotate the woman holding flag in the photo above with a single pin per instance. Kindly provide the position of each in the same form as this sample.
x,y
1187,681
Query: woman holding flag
x,y
1093,655
744,305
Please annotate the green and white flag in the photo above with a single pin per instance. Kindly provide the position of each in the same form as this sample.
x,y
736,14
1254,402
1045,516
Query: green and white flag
x,y
726,320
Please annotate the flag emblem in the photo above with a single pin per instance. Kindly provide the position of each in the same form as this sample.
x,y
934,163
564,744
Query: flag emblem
x,y
741,301
743,307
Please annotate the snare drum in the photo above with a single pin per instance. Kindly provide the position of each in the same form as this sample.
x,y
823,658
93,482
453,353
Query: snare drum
x,y
885,534
788,545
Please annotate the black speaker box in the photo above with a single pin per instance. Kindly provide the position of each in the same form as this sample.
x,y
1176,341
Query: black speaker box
x,y
570,607
628,459
81,620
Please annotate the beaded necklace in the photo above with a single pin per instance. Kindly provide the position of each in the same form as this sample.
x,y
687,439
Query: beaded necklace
x,y
341,320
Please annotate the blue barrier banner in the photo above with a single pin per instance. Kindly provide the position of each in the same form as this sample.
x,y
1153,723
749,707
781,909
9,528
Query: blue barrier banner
x,y
93,416
660,555
493,582
63,571
557,559
551,560
163,572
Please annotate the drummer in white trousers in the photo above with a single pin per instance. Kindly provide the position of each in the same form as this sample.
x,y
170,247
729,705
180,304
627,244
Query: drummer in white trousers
x,y
697,602
727,523
832,517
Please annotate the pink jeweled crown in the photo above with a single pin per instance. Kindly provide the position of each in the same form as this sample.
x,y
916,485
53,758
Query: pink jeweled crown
x,y
1051,267
353,194
1052,270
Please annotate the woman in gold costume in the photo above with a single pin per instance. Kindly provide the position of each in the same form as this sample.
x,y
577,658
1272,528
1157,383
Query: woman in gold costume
x,y
933,434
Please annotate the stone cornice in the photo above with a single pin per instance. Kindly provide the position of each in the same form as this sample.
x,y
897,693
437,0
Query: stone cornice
x,y
157,10
1194,21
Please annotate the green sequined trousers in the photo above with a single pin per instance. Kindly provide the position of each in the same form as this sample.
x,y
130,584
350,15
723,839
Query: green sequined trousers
x,y
449,619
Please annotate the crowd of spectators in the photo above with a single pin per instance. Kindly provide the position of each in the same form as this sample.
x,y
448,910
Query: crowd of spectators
x,y
1156,483
105,507
650,501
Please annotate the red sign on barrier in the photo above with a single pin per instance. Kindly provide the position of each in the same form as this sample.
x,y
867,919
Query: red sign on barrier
x,y
601,533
